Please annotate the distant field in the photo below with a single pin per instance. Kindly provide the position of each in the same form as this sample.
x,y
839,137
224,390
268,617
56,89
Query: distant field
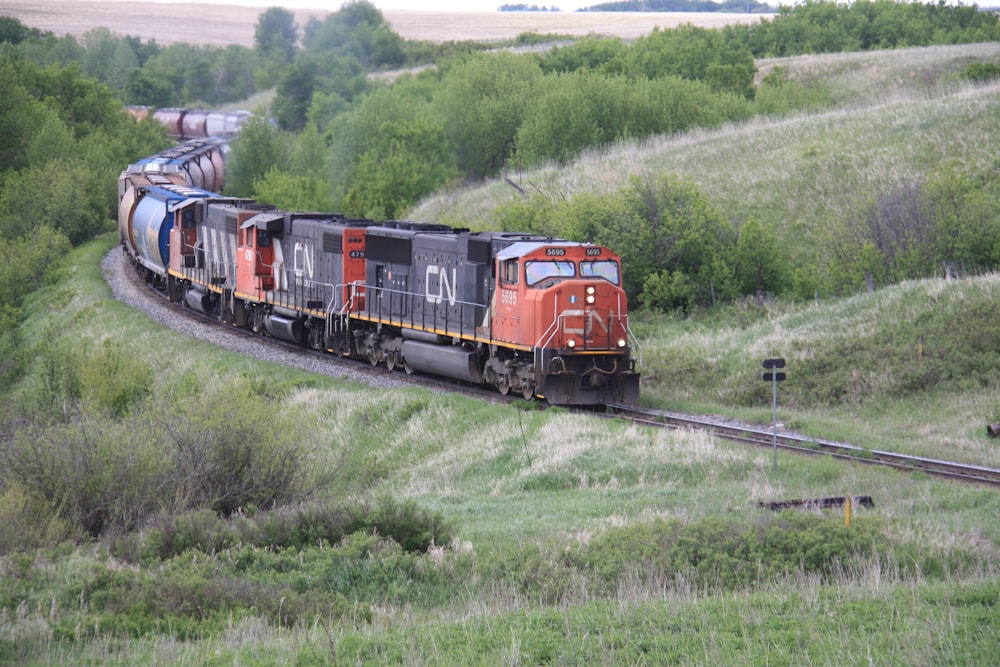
x,y
229,24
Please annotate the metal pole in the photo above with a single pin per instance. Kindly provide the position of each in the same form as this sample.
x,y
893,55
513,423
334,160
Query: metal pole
x,y
774,384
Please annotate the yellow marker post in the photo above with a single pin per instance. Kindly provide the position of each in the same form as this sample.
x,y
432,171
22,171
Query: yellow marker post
x,y
847,511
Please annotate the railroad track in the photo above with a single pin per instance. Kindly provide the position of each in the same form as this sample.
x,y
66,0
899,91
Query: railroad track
x,y
811,446
723,429
378,376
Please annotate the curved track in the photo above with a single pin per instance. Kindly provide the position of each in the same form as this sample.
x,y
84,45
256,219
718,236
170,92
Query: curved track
x,y
800,444
729,430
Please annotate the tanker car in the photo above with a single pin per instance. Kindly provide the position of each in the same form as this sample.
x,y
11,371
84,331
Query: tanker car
x,y
194,123
539,316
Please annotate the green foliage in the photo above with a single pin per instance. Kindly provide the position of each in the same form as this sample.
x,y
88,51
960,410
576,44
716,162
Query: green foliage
x,y
276,34
29,522
981,72
820,26
222,451
114,382
483,101
357,30
586,109
293,193
300,526
27,262
695,54
108,58
594,54
259,148
676,249
714,553
917,230
312,74
759,263
408,163
13,31
780,95
198,75
229,451
685,239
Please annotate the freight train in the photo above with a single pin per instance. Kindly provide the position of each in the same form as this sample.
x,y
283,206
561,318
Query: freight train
x,y
523,313
194,123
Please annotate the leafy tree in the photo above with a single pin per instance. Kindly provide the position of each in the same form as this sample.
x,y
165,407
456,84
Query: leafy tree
x,y
108,58
408,162
594,54
682,237
696,54
19,115
27,261
586,109
358,30
337,77
483,102
388,152
258,148
276,34
13,31
145,88
759,265
291,192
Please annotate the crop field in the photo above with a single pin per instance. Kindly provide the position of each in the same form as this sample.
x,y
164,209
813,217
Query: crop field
x,y
222,24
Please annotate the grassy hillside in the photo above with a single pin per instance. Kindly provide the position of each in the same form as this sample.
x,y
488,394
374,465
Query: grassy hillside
x,y
569,540
896,115
565,539
919,376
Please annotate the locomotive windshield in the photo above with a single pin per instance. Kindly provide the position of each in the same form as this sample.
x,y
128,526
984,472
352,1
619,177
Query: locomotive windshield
x,y
537,271
605,269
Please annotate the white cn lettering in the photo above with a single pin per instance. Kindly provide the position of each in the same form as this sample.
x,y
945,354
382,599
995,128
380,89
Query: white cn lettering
x,y
303,260
445,288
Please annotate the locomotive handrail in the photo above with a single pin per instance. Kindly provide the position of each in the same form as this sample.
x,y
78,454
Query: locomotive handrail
x,y
301,289
375,294
628,332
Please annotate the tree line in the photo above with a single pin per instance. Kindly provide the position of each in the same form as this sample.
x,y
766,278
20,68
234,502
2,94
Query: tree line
x,y
337,138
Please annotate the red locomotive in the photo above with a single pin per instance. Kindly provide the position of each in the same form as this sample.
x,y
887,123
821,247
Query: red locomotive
x,y
544,317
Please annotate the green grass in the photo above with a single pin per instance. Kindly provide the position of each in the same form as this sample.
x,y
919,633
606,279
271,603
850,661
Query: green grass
x,y
575,540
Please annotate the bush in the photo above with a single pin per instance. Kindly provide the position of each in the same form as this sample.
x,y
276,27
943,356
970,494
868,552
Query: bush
x,y
720,554
315,524
28,523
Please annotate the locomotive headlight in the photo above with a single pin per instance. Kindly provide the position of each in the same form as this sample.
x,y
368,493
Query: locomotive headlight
x,y
621,342
591,294
571,343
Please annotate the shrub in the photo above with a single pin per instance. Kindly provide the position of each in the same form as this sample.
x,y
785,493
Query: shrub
x,y
28,522
313,524
721,554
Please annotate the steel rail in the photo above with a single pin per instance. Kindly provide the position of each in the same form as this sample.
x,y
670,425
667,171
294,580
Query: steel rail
x,y
800,444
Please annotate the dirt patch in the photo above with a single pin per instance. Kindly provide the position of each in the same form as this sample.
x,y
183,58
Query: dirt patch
x,y
231,24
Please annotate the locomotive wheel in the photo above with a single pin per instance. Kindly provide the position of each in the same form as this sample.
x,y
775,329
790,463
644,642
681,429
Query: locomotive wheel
x,y
503,386
527,391
406,367
390,362
316,338
257,322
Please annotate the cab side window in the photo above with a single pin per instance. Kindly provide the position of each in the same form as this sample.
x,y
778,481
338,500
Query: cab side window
x,y
509,272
